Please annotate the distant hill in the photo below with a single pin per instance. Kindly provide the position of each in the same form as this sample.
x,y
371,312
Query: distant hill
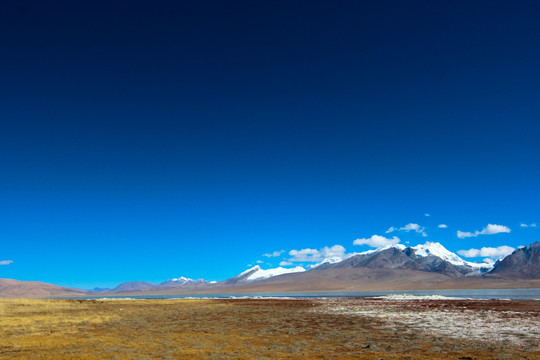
x,y
133,286
183,281
523,263
29,289
395,267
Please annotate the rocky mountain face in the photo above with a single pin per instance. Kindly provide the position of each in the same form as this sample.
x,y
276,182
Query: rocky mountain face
x,y
420,259
242,277
523,263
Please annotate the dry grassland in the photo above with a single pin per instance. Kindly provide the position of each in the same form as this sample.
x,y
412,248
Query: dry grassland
x,y
255,329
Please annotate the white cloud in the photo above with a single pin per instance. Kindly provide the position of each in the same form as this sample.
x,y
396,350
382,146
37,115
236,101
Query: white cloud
x,y
336,250
285,263
6,262
528,225
495,229
488,230
494,253
314,255
409,227
412,226
274,254
377,241
465,234
311,255
259,261
442,226
426,214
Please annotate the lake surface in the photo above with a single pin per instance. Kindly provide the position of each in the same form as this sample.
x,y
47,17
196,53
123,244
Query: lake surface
x,y
513,294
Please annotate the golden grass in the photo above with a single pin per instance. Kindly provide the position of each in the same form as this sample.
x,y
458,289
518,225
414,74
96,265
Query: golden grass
x,y
215,329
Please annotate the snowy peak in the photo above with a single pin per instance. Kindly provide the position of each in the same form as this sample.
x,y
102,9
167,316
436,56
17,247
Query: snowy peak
x,y
386,247
250,271
265,274
336,259
328,260
438,250
256,273
431,257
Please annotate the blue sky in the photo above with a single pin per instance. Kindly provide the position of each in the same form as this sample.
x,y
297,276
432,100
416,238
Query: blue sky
x,y
147,141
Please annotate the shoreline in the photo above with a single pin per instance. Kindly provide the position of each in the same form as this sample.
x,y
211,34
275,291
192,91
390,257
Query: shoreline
x,y
480,294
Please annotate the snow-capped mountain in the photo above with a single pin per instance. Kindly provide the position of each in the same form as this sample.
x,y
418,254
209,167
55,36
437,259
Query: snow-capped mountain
x,y
256,273
328,260
428,263
182,281
431,256
438,250
337,259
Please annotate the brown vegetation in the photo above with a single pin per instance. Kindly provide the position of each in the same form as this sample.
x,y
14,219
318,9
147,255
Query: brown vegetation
x,y
246,329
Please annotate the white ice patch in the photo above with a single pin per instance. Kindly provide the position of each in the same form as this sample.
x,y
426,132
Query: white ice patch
x,y
519,328
415,297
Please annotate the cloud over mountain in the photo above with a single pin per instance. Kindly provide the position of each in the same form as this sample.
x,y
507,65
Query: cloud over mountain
x,y
409,227
488,230
274,254
491,252
314,255
377,241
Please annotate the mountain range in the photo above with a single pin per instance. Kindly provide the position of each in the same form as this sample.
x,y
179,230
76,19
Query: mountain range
x,y
394,267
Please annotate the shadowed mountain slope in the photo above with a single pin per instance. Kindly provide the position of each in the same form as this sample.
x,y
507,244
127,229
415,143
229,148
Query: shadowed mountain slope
x,y
523,263
400,258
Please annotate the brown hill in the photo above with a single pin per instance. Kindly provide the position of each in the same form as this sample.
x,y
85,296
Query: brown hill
x,y
352,279
365,279
34,289
134,286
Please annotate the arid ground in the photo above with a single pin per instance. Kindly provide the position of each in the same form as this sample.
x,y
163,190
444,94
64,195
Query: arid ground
x,y
391,328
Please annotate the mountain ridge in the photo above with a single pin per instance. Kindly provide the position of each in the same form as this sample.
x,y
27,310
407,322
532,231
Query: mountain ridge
x,y
396,267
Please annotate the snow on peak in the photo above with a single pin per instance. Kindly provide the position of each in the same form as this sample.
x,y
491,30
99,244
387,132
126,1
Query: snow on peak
x,y
183,281
260,274
382,248
328,260
255,268
436,249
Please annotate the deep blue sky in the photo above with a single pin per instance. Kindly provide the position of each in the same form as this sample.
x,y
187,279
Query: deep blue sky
x,y
150,140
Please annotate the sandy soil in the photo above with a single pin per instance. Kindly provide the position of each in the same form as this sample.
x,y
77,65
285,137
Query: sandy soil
x,y
269,329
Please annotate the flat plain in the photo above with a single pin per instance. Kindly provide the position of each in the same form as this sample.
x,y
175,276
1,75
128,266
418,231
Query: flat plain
x,y
270,329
